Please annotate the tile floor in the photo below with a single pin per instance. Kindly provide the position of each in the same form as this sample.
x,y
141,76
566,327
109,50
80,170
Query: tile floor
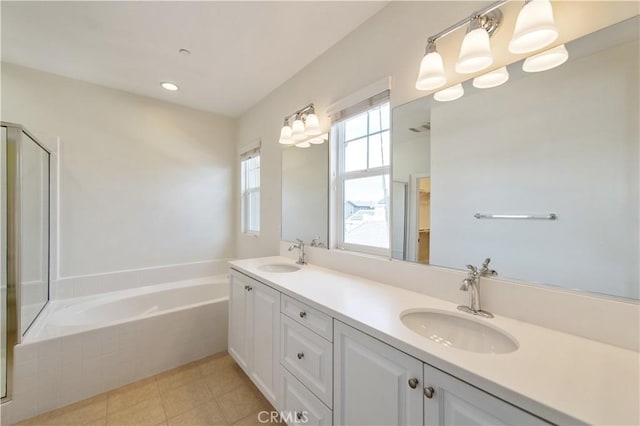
x,y
211,391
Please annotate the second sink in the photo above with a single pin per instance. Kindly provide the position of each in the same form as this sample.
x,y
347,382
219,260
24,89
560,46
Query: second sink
x,y
458,332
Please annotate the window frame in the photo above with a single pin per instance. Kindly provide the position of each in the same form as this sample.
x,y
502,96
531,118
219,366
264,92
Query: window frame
x,y
341,176
246,192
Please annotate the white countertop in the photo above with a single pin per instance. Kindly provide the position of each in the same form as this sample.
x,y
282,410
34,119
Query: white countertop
x,y
560,377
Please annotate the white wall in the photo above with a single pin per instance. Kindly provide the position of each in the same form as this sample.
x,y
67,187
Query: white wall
x,y
143,183
391,43
541,145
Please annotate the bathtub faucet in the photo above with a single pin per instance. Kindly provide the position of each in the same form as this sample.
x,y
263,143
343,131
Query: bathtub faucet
x,y
301,254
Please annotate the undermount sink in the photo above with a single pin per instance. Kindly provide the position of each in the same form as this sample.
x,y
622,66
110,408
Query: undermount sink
x,y
279,267
458,332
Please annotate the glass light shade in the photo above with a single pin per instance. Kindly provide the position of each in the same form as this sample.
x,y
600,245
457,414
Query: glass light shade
x,y
491,79
475,52
312,125
297,130
449,94
546,60
172,87
303,145
535,28
316,141
285,136
431,75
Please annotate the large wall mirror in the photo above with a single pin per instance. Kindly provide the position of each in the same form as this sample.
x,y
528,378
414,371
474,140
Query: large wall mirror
x,y
305,193
540,173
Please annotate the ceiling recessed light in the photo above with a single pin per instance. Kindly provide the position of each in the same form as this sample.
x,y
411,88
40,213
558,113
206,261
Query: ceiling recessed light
x,y
184,52
169,86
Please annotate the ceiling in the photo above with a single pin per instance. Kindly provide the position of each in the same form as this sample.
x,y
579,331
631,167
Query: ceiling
x,y
240,51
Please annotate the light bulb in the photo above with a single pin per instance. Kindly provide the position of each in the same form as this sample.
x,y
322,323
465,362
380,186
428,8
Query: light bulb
x,y
297,130
166,85
449,94
285,135
535,28
431,75
312,125
491,79
303,145
475,52
546,60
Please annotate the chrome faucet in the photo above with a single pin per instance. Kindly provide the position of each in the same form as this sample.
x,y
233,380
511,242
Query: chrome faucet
x,y
472,285
301,254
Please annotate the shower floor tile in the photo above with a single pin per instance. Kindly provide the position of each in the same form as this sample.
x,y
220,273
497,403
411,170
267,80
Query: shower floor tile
x,y
213,391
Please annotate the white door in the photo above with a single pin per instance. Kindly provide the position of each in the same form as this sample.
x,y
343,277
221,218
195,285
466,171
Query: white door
x,y
264,332
450,401
238,338
374,383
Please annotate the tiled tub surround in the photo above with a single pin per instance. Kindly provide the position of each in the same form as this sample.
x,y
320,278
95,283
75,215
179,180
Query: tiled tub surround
x,y
56,366
210,391
560,377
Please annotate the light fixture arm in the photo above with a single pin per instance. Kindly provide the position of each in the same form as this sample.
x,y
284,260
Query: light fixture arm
x,y
309,109
479,13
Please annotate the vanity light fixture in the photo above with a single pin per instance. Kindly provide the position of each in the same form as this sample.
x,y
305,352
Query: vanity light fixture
x,y
304,130
431,75
546,60
166,85
491,79
535,27
450,93
475,52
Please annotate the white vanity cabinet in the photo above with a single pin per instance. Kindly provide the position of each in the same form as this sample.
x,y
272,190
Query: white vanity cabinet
x,y
450,401
374,383
254,332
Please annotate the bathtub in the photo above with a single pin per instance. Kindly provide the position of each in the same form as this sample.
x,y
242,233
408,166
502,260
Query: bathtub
x,y
84,346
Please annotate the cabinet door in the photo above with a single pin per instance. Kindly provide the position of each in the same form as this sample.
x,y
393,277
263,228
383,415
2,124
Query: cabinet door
x,y
238,339
264,332
454,402
371,381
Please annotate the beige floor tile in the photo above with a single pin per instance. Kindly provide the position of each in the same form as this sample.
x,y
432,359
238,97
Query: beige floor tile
x,y
206,414
97,422
178,377
148,412
132,394
224,380
239,403
212,365
80,413
259,418
184,398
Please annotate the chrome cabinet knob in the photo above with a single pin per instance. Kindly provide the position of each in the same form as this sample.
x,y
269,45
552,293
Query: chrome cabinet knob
x,y
428,392
300,355
298,415
413,383
246,287
303,314
249,288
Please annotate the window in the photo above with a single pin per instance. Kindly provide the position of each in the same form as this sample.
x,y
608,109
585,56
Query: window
x,y
362,179
250,187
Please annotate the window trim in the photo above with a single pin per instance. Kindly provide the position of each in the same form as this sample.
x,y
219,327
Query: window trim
x,y
340,177
245,194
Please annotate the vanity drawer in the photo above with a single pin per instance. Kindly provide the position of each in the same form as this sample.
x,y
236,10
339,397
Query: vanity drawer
x,y
300,406
311,318
309,357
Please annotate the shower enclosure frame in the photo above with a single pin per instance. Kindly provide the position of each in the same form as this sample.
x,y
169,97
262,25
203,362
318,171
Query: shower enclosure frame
x,y
14,237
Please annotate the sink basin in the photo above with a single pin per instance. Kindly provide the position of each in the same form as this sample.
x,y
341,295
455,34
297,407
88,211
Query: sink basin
x,y
458,332
279,267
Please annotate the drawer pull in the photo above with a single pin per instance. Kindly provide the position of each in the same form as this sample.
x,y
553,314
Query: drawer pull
x,y
303,314
298,415
300,355
413,383
249,288
428,392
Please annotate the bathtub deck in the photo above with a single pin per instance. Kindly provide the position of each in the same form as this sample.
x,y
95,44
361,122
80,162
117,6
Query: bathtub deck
x,y
211,391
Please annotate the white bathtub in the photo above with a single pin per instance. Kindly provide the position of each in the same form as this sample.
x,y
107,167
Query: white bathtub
x,y
84,346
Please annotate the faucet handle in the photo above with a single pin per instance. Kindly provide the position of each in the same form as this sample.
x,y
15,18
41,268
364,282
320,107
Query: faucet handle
x,y
472,268
300,241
